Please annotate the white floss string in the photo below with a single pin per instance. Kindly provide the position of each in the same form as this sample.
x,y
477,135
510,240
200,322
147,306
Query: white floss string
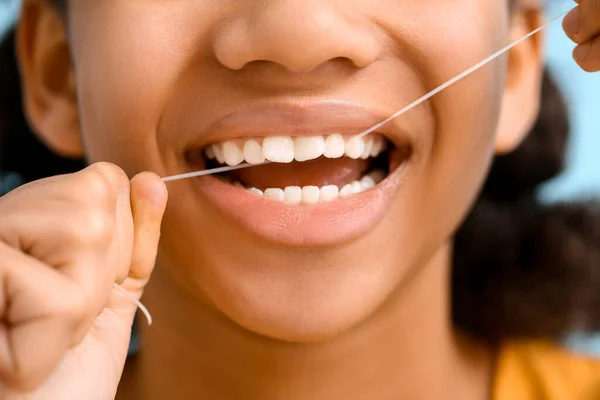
x,y
138,303
209,172
461,76
399,112
375,127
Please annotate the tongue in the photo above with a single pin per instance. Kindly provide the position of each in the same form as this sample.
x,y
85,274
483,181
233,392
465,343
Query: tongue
x,y
320,172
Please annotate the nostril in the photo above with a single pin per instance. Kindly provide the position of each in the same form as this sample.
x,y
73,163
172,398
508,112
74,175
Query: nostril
x,y
300,36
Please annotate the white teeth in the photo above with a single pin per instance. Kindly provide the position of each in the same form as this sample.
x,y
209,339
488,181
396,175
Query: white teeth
x,y
367,150
356,187
218,151
232,153
355,147
275,194
293,194
347,191
310,194
329,193
278,149
367,183
285,149
308,147
210,154
334,146
256,191
375,148
253,152
378,146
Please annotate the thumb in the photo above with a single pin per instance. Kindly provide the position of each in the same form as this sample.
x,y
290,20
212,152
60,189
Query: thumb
x,y
148,196
148,202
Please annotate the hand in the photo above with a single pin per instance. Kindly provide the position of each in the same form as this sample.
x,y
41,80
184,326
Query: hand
x,y
582,25
64,241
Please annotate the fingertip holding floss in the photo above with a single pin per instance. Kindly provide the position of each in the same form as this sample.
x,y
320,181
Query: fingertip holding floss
x,y
138,303
400,112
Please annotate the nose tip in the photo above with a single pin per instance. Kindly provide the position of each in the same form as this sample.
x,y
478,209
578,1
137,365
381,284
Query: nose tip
x,y
299,35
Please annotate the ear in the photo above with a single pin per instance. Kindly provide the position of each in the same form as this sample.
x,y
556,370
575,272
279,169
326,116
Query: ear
x,y
521,103
48,84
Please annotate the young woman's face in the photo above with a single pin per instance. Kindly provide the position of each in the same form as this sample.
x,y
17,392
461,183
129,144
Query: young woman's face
x,y
158,81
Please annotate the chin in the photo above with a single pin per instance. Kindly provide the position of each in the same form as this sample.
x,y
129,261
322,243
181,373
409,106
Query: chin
x,y
307,305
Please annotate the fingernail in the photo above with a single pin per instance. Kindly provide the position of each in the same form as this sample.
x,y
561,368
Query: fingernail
x,y
571,23
581,52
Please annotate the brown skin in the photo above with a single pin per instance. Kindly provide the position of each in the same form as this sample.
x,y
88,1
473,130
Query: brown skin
x,y
143,73
582,25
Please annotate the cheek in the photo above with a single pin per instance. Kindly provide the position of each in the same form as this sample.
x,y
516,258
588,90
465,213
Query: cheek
x,y
451,169
467,116
443,42
128,58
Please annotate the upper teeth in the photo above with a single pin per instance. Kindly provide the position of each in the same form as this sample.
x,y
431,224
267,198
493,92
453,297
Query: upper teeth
x,y
285,149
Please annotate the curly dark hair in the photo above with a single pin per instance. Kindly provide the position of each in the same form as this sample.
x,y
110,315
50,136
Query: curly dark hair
x,y
521,270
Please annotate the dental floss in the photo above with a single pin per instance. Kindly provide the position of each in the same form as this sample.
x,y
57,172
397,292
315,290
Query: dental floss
x,y
138,303
401,111
209,172
375,127
461,76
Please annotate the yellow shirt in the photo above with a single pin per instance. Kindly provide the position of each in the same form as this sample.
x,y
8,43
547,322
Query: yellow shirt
x,y
543,371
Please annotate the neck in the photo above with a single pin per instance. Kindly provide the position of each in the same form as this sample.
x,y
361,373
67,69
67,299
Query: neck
x,y
192,350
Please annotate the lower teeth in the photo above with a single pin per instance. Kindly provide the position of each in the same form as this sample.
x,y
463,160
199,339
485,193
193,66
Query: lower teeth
x,y
313,194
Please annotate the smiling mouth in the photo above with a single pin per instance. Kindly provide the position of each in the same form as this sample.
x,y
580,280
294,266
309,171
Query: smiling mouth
x,y
303,170
322,184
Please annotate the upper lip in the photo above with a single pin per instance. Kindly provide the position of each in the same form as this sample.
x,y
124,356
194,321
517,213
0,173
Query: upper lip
x,y
303,119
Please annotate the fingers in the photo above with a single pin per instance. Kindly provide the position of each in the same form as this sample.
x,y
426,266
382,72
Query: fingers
x,y
587,55
64,241
582,25
81,225
122,244
104,229
148,203
41,311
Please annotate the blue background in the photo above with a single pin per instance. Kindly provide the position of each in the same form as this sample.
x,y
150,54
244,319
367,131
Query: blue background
x,y
582,90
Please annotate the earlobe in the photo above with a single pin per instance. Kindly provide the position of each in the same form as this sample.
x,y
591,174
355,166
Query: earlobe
x,y
521,102
49,96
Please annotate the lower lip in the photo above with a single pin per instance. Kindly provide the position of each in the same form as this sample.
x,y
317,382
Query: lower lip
x,y
325,224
